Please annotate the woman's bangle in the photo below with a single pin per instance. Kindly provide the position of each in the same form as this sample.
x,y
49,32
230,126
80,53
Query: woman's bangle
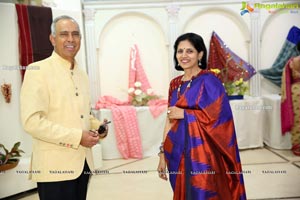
x,y
161,149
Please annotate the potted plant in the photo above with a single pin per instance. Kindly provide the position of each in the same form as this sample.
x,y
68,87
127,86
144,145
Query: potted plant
x,y
10,159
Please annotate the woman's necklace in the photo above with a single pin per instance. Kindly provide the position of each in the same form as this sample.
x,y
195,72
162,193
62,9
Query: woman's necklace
x,y
188,85
186,89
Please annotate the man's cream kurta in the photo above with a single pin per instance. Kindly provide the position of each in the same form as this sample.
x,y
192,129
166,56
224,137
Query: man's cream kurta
x,y
55,108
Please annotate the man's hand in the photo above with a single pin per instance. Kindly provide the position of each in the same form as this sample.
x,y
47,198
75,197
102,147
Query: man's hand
x,y
89,138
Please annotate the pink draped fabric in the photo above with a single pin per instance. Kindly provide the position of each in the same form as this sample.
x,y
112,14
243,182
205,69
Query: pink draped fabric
x,y
124,114
137,73
157,106
126,126
136,70
287,113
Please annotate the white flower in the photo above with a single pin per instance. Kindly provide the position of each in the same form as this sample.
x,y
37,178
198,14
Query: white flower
x,y
150,91
138,92
137,84
130,90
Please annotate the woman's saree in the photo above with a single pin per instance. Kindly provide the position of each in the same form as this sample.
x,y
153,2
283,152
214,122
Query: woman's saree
x,y
201,150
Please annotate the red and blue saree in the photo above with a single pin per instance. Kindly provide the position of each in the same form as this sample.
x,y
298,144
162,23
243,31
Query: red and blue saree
x,y
201,150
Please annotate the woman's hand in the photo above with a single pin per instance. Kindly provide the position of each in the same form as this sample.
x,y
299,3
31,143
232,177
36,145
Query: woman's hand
x,y
161,169
175,113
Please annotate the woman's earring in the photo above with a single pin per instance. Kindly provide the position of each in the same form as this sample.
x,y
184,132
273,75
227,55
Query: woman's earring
x,y
199,63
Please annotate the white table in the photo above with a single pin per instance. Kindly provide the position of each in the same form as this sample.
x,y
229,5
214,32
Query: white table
x,y
151,133
257,121
249,120
272,135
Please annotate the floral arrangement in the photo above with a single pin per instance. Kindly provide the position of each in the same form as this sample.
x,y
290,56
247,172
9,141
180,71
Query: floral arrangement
x,y
236,87
139,97
9,159
239,87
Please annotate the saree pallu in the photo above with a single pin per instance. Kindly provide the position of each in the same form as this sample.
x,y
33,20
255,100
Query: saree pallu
x,y
201,150
287,114
290,103
295,131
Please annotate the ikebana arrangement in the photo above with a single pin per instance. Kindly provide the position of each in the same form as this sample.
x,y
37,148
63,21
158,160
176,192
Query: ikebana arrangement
x,y
235,87
10,159
140,97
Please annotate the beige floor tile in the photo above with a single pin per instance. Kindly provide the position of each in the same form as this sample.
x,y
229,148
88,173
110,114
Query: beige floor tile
x,y
145,186
276,181
297,163
292,198
108,164
31,196
137,179
259,156
145,164
288,154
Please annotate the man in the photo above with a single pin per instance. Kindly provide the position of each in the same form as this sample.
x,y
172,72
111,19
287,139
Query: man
x,y
55,110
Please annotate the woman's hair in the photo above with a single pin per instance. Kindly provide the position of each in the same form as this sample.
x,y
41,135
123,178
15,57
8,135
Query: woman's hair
x,y
298,46
197,42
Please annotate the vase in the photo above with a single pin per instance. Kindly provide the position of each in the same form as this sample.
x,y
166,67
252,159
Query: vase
x,y
235,97
8,166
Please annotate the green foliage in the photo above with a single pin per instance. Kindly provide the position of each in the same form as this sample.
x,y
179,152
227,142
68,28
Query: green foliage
x,y
238,87
139,97
142,99
11,156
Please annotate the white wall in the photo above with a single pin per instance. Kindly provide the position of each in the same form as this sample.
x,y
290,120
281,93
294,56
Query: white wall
x,y
11,130
116,34
119,24
10,124
117,28
275,28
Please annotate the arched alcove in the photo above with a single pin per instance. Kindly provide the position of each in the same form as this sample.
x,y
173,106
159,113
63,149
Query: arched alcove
x,y
120,33
221,20
271,43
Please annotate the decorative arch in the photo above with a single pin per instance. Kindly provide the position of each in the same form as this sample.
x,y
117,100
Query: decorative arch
x,y
115,38
236,19
268,21
132,13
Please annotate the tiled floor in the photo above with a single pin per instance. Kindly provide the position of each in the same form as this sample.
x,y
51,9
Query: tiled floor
x,y
274,174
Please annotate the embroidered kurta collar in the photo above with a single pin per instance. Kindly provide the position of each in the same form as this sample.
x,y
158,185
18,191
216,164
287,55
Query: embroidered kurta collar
x,y
63,62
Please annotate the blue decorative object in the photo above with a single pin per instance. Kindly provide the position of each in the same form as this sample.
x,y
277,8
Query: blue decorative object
x,y
235,97
288,50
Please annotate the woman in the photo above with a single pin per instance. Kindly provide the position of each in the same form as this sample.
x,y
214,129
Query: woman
x,y
290,101
199,143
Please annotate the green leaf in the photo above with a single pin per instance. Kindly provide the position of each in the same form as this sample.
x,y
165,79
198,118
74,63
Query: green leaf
x,y
2,146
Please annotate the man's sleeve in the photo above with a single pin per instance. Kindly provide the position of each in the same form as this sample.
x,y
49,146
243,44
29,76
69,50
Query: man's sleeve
x,y
34,101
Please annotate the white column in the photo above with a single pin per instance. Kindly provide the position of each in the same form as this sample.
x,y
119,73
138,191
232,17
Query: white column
x,y
91,54
173,10
255,53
